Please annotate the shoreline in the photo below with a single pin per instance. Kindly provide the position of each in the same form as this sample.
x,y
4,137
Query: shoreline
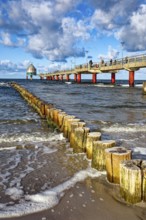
x,y
92,199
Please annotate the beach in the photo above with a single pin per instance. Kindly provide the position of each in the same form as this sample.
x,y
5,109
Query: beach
x,y
41,177
91,199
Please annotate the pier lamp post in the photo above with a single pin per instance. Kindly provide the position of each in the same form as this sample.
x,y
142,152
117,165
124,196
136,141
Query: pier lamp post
x,y
71,62
122,45
86,52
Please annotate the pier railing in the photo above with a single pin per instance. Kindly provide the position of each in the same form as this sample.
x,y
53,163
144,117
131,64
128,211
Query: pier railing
x,y
127,63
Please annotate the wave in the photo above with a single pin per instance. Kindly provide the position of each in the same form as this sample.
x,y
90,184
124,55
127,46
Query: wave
x,y
4,84
46,199
128,128
18,121
104,85
33,137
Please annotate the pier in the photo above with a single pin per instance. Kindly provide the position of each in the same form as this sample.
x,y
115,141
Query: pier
x,y
130,64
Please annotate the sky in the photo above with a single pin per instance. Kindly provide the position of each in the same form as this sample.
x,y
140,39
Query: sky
x,y
58,34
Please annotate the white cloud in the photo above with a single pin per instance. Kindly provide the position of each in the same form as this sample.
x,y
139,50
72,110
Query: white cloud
x,y
43,25
111,54
8,66
48,28
134,34
6,39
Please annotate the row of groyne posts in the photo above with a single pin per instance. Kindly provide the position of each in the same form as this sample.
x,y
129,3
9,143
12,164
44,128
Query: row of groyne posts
x,y
121,169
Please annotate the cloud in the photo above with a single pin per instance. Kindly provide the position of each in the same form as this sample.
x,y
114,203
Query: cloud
x,y
111,14
134,34
49,28
10,68
111,54
6,66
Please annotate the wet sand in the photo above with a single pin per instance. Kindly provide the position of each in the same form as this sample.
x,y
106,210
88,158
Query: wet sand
x,y
90,200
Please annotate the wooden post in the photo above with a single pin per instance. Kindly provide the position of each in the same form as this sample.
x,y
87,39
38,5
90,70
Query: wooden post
x,y
61,116
55,115
144,88
131,181
70,121
114,156
91,137
144,180
64,125
78,141
98,155
86,132
72,134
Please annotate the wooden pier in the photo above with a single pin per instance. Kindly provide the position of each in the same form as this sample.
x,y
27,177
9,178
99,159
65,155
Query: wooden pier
x,y
130,64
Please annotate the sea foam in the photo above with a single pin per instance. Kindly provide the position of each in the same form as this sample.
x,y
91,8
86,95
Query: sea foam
x,y
46,199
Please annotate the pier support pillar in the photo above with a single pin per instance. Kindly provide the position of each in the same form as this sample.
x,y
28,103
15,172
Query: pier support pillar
x,y
113,78
94,78
131,78
61,77
79,78
53,77
67,78
26,77
75,77
57,77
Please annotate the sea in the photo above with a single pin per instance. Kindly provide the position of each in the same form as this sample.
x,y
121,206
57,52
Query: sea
x,y
37,165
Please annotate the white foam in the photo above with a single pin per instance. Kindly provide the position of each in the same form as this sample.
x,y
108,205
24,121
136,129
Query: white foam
x,y
103,85
14,193
124,85
8,148
138,85
48,198
33,137
140,150
4,84
132,128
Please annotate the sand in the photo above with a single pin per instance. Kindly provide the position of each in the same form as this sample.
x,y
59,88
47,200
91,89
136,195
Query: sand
x,y
90,200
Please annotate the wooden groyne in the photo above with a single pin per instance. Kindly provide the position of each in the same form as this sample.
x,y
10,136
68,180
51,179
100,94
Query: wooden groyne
x,y
104,155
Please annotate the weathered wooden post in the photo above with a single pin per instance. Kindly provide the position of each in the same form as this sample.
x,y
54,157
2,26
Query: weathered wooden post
x,y
131,181
55,115
61,116
144,180
91,137
51,114
47,106
78,141
70,121
144,88
114,156
75,125
65,122
86,132
98,155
